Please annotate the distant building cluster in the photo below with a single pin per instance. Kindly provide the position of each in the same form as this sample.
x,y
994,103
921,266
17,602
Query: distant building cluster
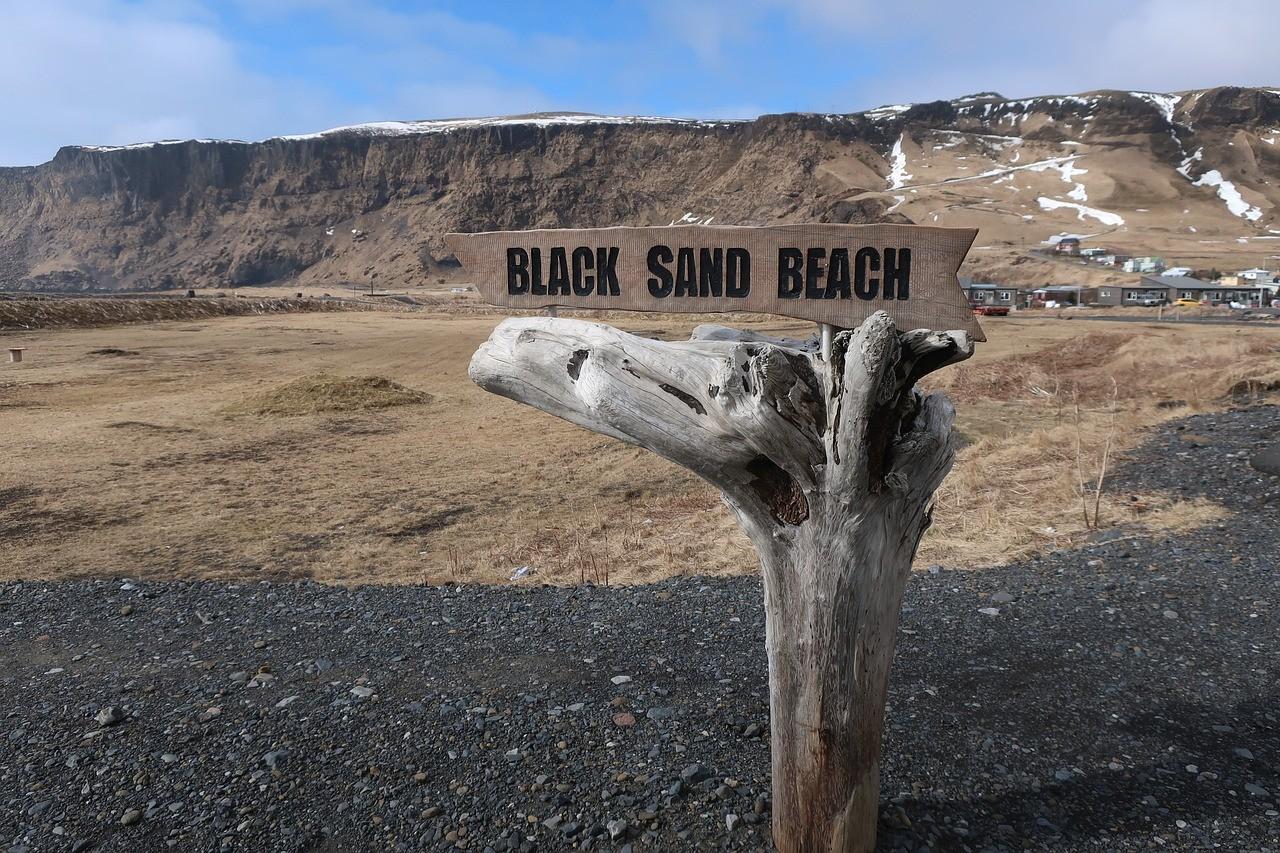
x,y
1159,284
1103,257
1149,291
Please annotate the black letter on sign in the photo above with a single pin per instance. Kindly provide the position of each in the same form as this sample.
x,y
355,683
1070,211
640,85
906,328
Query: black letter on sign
x,y
558,275
838,275
789,283
710,272
583,258
537,288
517,271
814,268
897,271
738,273
686,275
866,259
606,272
660,286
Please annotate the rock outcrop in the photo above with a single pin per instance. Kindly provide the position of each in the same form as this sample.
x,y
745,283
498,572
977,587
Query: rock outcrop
x,y
1169,174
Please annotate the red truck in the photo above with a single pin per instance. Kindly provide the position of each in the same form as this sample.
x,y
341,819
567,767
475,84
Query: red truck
x,y
991,310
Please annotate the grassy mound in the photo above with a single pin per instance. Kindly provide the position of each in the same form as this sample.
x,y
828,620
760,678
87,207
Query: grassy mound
x,y
325,393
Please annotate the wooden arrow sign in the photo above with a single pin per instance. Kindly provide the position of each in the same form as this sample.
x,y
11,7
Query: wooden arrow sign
x,y
834,274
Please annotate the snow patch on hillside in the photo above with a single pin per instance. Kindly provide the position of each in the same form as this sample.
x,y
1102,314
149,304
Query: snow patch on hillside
x,y
1103,216
1228,193
1166,104
1226,189
996,139
1068,171
1058,238
135,146
1038,166
898,173
888,111
1031,104
1185,168
413,128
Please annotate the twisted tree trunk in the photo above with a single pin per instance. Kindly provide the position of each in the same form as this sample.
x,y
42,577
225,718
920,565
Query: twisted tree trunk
x,y
830,467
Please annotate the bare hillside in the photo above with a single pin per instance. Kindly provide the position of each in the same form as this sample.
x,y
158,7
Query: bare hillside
x,y
1189,176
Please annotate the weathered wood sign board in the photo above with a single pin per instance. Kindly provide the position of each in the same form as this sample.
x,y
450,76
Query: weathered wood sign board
x,y
836,274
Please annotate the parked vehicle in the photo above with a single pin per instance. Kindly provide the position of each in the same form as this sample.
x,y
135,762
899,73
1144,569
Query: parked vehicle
x,y
1187,303
991,310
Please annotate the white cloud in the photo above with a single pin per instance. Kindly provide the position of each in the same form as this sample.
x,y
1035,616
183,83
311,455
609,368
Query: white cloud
x,y
121,71
1196,44
942,50
113,72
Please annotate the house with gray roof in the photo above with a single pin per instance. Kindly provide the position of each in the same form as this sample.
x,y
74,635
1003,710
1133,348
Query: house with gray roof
x,y
1184,287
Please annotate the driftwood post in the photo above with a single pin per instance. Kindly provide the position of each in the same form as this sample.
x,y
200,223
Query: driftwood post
x,y
829,457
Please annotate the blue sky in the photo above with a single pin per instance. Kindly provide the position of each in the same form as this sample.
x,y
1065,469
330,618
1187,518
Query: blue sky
x,y
120,71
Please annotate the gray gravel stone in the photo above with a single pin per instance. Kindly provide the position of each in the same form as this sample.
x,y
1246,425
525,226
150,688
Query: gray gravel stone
x,y
110,715
693,774
1083,674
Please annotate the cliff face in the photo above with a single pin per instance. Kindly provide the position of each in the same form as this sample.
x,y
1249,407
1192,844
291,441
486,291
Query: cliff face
x,y
369,204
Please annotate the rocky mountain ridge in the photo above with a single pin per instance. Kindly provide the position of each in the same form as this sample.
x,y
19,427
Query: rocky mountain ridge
x,y
1192,176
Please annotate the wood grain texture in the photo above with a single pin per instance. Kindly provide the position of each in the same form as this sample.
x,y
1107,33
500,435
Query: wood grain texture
x,y
830,467
935,299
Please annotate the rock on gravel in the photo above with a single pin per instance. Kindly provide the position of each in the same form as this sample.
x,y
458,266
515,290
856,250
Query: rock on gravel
x,y
1068,723
110,715
1267,460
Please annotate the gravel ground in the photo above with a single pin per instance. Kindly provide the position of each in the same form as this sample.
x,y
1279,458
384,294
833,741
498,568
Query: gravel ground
x,y
1119,697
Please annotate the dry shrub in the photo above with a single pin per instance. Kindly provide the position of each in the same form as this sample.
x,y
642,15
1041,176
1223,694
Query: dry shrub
x,y
1008,497
1028,479
324,393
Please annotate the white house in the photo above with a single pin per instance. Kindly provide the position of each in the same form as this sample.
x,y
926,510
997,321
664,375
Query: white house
x,y
1147,265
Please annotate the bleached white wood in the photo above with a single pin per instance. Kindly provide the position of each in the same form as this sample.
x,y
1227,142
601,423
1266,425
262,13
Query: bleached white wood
x,y
712,332
826,335
830,466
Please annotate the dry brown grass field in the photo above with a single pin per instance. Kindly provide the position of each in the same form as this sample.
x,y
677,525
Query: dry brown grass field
x,y
352,448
